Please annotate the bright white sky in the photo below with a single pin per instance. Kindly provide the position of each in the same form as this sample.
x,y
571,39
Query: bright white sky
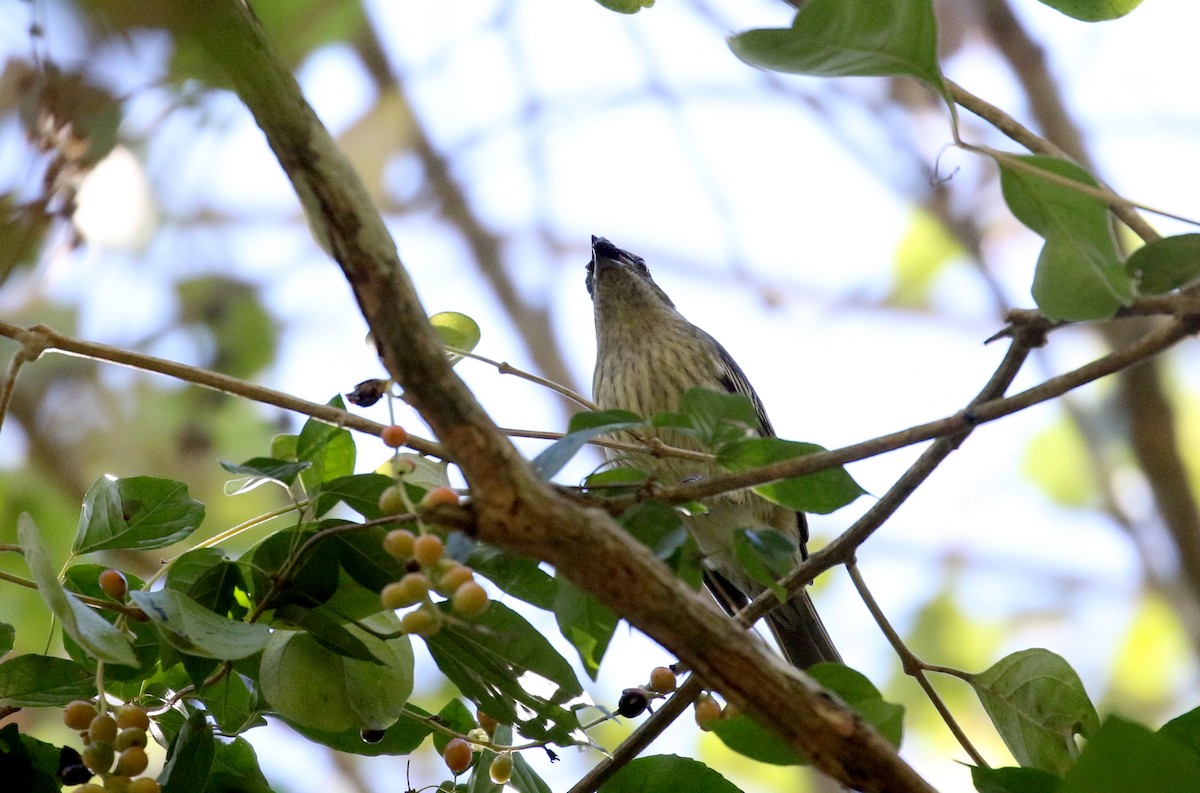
x,y
727,193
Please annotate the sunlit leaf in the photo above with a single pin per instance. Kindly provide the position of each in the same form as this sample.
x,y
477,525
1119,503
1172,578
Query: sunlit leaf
x,y
1093,10
457,331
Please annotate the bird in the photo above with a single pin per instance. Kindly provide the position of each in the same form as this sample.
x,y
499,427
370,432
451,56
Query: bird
x,y
647,356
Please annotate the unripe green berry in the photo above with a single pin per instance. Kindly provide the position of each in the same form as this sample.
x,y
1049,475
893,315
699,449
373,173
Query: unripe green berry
x,y
501,769
98,757
422,622
391,501
143,785
130,736
398,543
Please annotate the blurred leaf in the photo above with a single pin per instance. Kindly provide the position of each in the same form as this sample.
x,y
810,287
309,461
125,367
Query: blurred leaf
x,y
500,661
261,470
1093,10
585,622
194,630
38,681
27,764
1014,780
584,426
422,472
330,450
139,513
923,253
1038,705
626,6
1123,756
747,737
1079,275
23,229
518,576
7,635
1056,460
1166,264
667,773
821,492
1183,730
190,757
315,687
86,627
456,330
656,525
860,693
718,418
239,335
842,38
766,556
1155,653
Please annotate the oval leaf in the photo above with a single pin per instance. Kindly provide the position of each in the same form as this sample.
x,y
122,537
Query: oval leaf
x,y
667,774
457,331
194,630
1093,10
38,681
1165,264
821,492
139,513
1038,705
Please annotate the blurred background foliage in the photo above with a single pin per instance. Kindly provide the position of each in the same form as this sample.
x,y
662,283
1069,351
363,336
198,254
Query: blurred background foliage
x,y
821,228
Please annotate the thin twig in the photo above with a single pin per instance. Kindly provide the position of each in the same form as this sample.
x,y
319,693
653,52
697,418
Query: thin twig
x,y
912,665
503,367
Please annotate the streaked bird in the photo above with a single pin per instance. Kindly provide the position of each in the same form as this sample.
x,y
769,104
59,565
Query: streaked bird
x,y
647,356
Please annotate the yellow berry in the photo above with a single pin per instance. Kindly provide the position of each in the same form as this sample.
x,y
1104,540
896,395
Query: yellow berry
x,y
103,729
132,761
470,600
457,755
394,436
427,549
116,783
501,769
455,576
90,787
399,544
132,716
408,591
662,680
143,784
78,715
391,501
422,622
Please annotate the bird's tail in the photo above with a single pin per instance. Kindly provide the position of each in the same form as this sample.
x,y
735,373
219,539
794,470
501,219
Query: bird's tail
x,y
801,634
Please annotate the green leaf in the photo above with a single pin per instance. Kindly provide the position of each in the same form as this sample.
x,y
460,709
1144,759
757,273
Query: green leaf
x,y
27,764
766,556
231,703
83,580
456,330
313,581
494,657
91,631
189,758
625,7
585,622
718,417
139,513
329,630
1124,756
1165,264
1014,780
210,579
330,450
860,693
656,525
192,629
455,715
821,492
1184,730
360,492
1079,275
524,778
360,553
8,635
667,774
841,38
745,736
1093,10
518,576
584,426
38,681
1038,705
402,738
313,686
235,768
261,470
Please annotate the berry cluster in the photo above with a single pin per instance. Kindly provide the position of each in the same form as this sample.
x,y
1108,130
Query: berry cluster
x,y
114,748
429,571
460,752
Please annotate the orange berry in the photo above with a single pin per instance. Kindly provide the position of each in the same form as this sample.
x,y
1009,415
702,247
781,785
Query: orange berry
x,y
662,680
132,716
487,723
707,711
408,591
458,755
394,436
78,715
470,600
437,497
454,577
114,584
428,548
